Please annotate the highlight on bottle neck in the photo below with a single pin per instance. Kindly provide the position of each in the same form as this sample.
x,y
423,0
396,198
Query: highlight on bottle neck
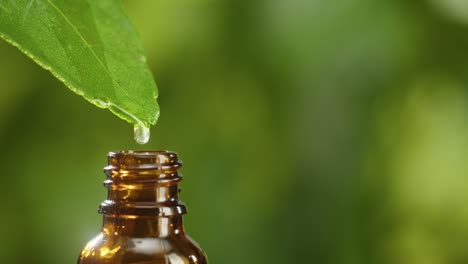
x,y
142,183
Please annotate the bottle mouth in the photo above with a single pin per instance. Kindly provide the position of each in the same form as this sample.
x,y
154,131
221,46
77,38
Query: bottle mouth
x,y
143,152
144,159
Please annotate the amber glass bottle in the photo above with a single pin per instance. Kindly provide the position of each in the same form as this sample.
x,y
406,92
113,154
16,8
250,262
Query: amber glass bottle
x,y
142,213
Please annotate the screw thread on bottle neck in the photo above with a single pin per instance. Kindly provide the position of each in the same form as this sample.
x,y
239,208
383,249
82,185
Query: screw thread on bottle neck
x,y
142,183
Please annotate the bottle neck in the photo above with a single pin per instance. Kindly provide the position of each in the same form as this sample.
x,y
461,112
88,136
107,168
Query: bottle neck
x,y
155,226
143,194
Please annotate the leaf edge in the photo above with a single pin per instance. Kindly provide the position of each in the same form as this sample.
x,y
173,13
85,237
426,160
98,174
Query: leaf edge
x,y
115,109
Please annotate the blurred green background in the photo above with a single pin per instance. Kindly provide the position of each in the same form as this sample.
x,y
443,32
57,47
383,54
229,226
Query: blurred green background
x,y
311,132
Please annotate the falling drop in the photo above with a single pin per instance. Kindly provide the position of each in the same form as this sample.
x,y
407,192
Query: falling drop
x,y
142,134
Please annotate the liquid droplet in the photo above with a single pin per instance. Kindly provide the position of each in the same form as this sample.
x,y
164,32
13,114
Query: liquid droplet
x,y
101,103
142,134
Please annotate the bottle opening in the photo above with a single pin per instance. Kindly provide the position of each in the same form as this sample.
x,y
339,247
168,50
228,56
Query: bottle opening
x,y
144,159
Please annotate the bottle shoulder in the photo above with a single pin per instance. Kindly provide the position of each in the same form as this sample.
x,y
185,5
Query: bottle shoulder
x,y
151,250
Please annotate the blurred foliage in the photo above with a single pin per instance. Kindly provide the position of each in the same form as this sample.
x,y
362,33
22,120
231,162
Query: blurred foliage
x,y
311,131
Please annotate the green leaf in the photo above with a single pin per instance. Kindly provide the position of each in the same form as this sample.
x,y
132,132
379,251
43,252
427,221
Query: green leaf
x,y
91,46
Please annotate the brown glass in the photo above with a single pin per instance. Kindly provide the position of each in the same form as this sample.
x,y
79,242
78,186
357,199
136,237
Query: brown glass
x,y
142,213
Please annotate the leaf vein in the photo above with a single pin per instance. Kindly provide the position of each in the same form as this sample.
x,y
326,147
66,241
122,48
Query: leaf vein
x,y
26,11
4,8
87,45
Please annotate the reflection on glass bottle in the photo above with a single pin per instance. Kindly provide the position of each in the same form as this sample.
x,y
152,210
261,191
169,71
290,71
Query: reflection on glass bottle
x,y
142,213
